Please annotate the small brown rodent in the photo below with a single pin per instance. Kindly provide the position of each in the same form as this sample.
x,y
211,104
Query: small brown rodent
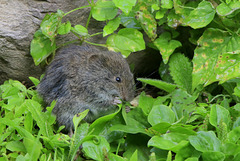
x,y
84,77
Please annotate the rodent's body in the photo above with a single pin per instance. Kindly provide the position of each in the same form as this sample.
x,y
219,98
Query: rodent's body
x,y
83,77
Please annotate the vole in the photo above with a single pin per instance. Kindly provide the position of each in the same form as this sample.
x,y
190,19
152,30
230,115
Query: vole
x,y
84,77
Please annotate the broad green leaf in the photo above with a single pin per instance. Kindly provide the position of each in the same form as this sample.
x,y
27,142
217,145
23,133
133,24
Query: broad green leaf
x,y
127,40
79,29
169,141
115,157
137,142
168,87
125,5
201,16
192,159
33,147
129,21
181,71
168,4
145,103
166,46
147,21
161,127
234,135
111,26
136,122
219,52
213,156
41,47
227,9
16,146
205,141
96,148
183,104
102,120
237,90
236,123
104,10
49,25
223,9
64,28
161,113
219,114
230,148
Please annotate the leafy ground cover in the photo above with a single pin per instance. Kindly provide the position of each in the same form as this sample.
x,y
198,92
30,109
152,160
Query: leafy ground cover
x,y
198,117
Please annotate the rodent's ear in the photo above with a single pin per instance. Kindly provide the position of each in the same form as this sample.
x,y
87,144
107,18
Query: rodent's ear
x,y
96,59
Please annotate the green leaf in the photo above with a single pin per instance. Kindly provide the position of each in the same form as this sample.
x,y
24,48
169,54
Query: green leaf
x,y
64,28
79,29
181,71
223,9
49,25
219,114
201,16
78,118
183,104
15,146
147,20
219,52
36,111
134,157
41,47
137,142
213,156
129,21
96,148
205,141
104,10
33,147
161,113
97,126
168,4
234,135
35,81
166,46
169,141
78,138
125,5
168,87
227,9
111,26
145,103
127,40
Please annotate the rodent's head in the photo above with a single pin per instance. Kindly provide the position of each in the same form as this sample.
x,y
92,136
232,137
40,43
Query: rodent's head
x,y
112,75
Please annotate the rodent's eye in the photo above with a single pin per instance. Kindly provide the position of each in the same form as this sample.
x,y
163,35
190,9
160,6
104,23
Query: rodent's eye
x,y
118,79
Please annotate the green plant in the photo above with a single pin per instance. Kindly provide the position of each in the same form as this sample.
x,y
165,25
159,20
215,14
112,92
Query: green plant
x,y
197,119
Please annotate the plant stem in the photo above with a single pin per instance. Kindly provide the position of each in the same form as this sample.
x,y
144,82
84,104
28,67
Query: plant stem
x,y
67,43
103,45
89,17
96,34
77,9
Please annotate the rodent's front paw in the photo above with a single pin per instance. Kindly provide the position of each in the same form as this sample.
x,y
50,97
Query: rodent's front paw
x,y
117,101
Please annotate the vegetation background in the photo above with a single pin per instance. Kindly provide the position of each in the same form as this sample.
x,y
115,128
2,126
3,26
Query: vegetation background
x,y
197,117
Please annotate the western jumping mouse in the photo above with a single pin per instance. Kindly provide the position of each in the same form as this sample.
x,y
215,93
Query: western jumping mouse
x,y
84,77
